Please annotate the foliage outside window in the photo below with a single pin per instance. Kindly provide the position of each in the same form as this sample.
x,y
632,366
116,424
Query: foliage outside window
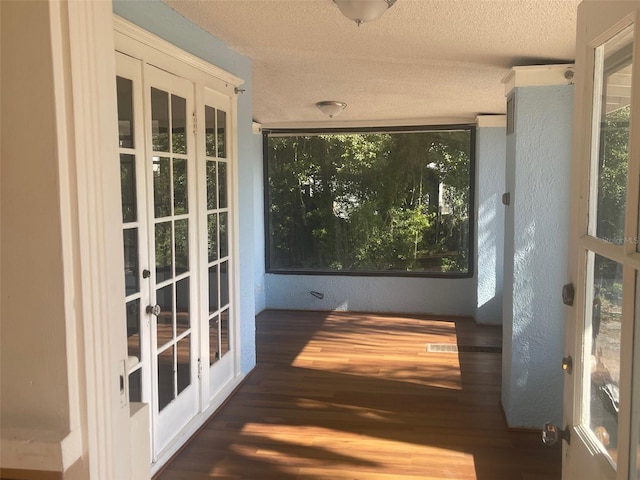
x,y
373,203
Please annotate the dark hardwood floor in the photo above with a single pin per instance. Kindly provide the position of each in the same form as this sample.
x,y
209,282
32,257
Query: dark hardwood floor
x,y
359,397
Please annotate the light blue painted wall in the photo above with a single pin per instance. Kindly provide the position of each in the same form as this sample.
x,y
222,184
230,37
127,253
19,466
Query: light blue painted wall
x,y
157,18
372,294
490,168
536,225
258,231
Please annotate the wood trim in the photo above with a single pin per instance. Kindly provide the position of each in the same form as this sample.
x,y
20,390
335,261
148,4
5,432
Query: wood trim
x,y
21,474
89,109
76,470
538,75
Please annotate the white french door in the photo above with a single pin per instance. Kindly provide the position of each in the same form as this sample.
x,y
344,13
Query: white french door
x,y
602,401
216,286
171,221
178,227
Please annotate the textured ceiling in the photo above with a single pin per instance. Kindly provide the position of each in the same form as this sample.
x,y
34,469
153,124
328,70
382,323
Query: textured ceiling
x,y
423,61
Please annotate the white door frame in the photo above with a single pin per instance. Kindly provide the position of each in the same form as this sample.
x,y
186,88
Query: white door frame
x,y
84,79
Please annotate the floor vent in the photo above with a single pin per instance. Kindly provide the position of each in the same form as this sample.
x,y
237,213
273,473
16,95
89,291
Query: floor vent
x,y
453,348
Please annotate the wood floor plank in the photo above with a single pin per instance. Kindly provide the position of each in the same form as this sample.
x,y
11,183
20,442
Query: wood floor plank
x,y
358,396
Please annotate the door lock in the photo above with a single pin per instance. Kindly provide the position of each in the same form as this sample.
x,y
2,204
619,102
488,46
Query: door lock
x,y
153,310
551,434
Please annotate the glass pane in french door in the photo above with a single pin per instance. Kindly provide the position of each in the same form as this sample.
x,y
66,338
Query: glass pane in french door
x,y
131,234
216,150
172,227
602,347
611,134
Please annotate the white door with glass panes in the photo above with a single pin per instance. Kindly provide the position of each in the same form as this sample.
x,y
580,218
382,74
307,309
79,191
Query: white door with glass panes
x,y
171,217
177,245
602,401
217,288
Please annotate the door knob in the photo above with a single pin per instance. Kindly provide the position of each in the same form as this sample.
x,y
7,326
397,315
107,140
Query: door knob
x,y
551,434
153,310
567,364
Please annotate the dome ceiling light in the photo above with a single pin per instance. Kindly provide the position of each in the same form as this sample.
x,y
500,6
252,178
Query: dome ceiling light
x,y
331,107
361,11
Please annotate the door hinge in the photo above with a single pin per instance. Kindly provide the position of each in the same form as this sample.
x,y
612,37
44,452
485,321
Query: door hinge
x,y
199,369
195,122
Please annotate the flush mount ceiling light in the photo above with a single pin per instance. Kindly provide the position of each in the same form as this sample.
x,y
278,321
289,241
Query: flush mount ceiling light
x,y
331,107
361,11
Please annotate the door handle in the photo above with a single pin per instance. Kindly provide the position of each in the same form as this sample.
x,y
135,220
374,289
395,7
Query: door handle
x,y
153,310
567,364
551,434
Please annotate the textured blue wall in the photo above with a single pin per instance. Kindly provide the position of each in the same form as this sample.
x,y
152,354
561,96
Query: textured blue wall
x,y
490,168
157,18
536,245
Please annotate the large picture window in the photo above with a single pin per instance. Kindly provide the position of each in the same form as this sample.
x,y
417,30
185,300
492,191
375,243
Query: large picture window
x,y
375,202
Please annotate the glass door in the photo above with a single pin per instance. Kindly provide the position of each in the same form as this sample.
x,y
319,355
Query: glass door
x,y
134,227
221,333
170,168
598,395
176,142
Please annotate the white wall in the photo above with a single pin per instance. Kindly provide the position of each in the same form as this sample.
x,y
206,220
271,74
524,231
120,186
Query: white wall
x,y
59,382
490,174
258,231
535,261
157,18
33,316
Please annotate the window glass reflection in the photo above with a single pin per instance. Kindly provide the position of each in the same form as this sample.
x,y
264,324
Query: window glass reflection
x,y
131,268
165,378
605,322
164,256
222,185
128,188
160,120
210,131
225,338
180,187
214,347
213,289
183,301
133,329
224,284
164,321
222,134
182,246
178,124
212,190
183,371
125,112
612,131
162,186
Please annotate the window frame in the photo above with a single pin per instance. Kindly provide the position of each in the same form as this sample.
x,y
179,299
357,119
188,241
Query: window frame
x,y
470,273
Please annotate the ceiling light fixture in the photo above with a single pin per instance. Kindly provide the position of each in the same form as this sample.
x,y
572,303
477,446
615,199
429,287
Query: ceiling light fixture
x,y
331,107
361,11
